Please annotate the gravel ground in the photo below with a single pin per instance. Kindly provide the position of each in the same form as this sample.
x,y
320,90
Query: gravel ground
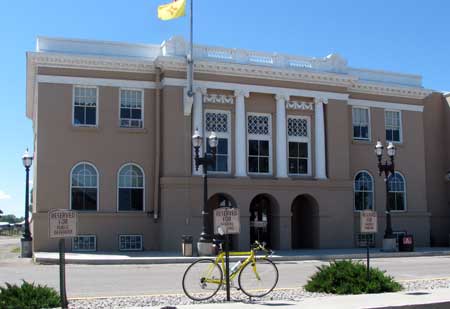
x,y
181,299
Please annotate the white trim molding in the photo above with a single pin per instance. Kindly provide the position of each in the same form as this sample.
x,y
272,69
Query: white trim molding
x,y
89,81
218,99
320,157
386,105
305,106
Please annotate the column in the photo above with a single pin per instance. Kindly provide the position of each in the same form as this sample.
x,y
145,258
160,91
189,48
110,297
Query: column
x,y
240,135
320,138
197,123
281,135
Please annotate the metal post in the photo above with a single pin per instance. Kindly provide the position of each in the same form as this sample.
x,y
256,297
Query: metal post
x,y
191,53
368,261
204,236
227,265
388,231
27,234
62,273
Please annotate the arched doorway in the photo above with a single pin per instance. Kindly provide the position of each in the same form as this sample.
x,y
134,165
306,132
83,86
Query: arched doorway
x,y
305,222
214,202
263,220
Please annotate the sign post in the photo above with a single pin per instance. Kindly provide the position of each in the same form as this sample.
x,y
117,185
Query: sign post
x,y
369,225
62,224
226,222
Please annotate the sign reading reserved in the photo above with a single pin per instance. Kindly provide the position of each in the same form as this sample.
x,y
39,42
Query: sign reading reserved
x,y
62,223
227,221
369,221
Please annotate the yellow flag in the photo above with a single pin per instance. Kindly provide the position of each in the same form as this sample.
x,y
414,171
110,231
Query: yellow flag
x,y
172,10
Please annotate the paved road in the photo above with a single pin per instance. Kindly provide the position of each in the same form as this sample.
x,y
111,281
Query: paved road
x,y
126,280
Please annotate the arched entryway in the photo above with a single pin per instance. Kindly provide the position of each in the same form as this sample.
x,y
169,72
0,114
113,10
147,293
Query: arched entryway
x,y
264,220
216,201
305,222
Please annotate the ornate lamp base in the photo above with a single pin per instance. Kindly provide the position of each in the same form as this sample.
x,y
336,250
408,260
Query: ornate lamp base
x,y
205,248
389,245
26,248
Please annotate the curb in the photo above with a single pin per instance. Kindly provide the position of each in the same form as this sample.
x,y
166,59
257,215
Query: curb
x,y
180,260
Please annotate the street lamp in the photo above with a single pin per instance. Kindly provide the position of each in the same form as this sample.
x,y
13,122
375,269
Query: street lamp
x,y
389,241
204,245
27,160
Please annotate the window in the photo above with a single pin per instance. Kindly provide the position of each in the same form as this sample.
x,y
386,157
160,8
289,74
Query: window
x,y
299,145
84,243
397,192
363,190
131,108
361,123
219,122
363,239
85,106
393,126
84,187
131,188
259,134
130,242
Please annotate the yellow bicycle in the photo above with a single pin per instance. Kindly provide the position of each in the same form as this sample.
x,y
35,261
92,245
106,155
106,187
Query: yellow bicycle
x,y
258,276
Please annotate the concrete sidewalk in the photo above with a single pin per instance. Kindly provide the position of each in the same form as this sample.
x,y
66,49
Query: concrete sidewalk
x,y
436,299
160,257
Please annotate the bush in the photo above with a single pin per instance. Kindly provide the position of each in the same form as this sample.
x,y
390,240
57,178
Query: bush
x,y
28,295
347,277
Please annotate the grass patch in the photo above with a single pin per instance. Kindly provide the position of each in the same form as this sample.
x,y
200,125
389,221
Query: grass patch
x,y
347,277
15,250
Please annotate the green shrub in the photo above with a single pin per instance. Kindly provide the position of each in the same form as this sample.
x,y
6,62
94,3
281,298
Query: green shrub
x,y
347,277
28,295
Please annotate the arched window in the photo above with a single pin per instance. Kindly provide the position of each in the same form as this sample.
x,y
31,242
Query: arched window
x,y
363,190
397,192
84,187
131,188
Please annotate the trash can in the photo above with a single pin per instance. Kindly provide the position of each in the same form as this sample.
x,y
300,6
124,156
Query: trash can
x,y
186,245
406,243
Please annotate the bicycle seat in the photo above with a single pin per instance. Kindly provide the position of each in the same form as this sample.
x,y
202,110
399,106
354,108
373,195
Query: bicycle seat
x,y
218,241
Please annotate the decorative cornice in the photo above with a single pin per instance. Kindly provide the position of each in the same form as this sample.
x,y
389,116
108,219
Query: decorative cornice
x,y
300,105
218,99
241,93
400,91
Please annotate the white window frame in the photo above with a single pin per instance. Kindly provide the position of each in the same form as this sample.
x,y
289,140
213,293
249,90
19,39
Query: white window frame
x,y
300,139
400,126
97,109
84,250
142,107
143,187
405,192
369,131
259,137
131,235
98,185
219,135
354,191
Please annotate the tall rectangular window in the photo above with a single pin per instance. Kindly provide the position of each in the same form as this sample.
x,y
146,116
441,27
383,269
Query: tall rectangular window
x,y
85,106
219,122
299,150
361,123
259,135
131,108
393,125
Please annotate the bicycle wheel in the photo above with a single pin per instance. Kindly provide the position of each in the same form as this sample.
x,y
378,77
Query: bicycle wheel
x,y
258,279
202,279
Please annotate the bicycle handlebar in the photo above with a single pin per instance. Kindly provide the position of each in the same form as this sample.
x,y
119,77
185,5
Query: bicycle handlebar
x,y
262,247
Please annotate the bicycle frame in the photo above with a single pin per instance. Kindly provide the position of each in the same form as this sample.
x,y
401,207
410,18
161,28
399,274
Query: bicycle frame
x,y
220,260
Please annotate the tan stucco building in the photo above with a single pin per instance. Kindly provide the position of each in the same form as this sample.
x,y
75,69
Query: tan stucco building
x,y
113,125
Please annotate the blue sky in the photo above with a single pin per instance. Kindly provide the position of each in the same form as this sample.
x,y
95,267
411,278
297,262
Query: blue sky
x,y
404,36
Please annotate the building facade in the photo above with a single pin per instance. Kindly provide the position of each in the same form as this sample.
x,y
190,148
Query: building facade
x,y
113,125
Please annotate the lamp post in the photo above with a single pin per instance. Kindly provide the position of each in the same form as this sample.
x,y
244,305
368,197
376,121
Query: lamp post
x,y
27,160
389,241
204,245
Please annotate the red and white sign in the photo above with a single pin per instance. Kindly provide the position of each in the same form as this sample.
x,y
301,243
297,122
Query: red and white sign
x,y
369,221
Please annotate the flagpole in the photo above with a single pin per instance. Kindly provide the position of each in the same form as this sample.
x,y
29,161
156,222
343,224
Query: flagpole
x,y
191,53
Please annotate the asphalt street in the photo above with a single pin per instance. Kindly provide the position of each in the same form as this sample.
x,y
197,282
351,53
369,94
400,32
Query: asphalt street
x,y
128,280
